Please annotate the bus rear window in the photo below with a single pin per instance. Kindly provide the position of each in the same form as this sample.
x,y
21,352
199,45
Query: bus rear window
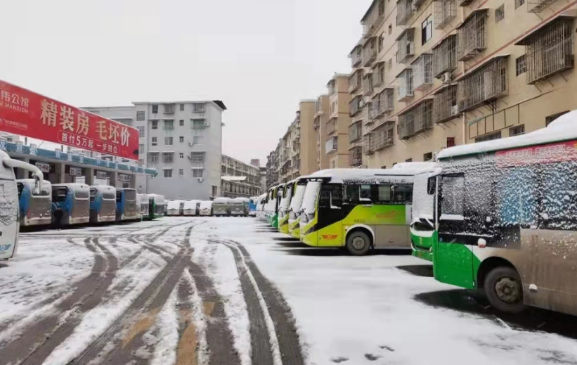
x,y
92,194
108,195
59,194
81,194
130,195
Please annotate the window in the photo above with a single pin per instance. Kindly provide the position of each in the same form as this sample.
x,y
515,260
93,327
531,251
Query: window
x,y
168,157
551,118
197,139
390,29
168,141
181,155
154,158
518,3
488,137
198,107
180,172
181,139
427,30
500,13
154,141
140,148
380,43
331,196
516,131
155,124
169,125
521,65
198,124
181,107
140,116
390,64
140,130
428,156
169,108
168,173
453,196
197,173
154,108
450,142
181,123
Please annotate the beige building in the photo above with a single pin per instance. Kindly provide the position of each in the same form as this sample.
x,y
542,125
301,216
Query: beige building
x,y
321,118
239,179
432,74
338,122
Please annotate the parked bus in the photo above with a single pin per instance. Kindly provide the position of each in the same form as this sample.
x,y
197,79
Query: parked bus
x,y
144,205
35,206
360,209
102,204
239,207
70,204
175,207
205,208
221,207
284,206
295,208
252,206
155,206
126,207
505,218
191,207
271,210
9,202
260,202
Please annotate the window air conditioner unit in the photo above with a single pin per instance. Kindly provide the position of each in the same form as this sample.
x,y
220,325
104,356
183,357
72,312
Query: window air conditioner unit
x,y
200,179
454,110
446,77
207,124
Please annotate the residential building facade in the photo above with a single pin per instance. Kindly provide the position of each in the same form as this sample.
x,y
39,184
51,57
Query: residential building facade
x,y
239,179
338,123
431,74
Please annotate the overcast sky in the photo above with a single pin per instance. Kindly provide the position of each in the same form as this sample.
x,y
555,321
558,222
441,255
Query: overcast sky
x,y
259,56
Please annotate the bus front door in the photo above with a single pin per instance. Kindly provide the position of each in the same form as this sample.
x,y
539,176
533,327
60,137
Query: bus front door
x,y
329,226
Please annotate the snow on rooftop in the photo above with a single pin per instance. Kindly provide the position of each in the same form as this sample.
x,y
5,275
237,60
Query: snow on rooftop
x,y
222,200
562,129
404,169
234,178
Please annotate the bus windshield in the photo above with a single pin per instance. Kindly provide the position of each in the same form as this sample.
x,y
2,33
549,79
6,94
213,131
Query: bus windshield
x,y
310,197
286,199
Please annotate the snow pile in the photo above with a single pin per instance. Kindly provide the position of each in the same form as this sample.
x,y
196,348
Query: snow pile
x,y
165,329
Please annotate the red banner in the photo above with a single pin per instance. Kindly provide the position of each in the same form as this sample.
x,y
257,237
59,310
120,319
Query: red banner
x,y
29,114
553,152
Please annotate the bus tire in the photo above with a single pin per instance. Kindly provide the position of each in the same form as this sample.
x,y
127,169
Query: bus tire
x,y
504,289
358,243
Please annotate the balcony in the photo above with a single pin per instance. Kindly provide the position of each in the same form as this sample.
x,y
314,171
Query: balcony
x,y
383,136
416,120
355,131
376,108
472,35
356,156
464,2
423,71
169,108
355,106
405,11
379,74
317,123
405,80
331,126
369,51
445,56
387,99
319,106
368,87
549,49
486,83
445,104
355,81
368,145
356,56
536,6
406,45
374,17
445,12
331,145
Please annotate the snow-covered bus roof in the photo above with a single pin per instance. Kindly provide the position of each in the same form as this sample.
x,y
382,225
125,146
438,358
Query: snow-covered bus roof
x,y
222,200
73,186
343,175
205,204
103,188
241,199
191,204
561,129
32,182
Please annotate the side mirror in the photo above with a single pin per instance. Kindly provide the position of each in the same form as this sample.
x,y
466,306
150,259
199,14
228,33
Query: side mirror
x,y
37,186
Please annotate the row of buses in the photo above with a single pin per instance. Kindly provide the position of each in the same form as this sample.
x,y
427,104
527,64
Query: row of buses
x,y
70,204
500,216
219,207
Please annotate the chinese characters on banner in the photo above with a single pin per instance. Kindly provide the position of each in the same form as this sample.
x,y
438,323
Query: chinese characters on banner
x,y
29,114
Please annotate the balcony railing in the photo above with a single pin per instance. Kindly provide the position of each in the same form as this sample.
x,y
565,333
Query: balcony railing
x,y
387,99
445,56
423,71
357,56
416,120
405,11
331,126
445,12
486,83
379,74
368,87
370,51
368,145
356,156
472,35
536,6
331,145
355,131
464,2
355,81
377,108
549,50
383,136
355,106
374,18
406,45
445,104
405,80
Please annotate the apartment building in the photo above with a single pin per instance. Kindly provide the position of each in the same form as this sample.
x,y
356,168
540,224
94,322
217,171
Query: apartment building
x,y
181,139
239,179
272,168
431,74
320,127
338,123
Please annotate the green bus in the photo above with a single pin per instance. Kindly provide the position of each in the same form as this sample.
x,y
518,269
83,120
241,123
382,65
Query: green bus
x,y
284,206
502,217
271,206
294,210
359,209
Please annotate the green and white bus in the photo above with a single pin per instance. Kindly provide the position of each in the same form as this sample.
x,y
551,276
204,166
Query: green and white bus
x,y
271,207
284,206
360,209
503,218
295,206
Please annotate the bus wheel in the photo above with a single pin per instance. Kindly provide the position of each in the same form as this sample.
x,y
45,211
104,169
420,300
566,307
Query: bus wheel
x,y
358,243
504,289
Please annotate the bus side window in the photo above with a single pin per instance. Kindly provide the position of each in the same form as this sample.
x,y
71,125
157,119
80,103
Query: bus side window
x,y
351,194
331,196
118,196
20,188
403,194
384,194
365,193
453,197
431,185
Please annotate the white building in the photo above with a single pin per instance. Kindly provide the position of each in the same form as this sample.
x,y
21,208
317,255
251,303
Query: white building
x,y
182,140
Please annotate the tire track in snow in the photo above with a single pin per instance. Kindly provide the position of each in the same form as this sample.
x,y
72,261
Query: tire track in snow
x,y
40,339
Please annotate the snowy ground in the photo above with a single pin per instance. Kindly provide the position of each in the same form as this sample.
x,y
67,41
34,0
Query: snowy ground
x,y
233,291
